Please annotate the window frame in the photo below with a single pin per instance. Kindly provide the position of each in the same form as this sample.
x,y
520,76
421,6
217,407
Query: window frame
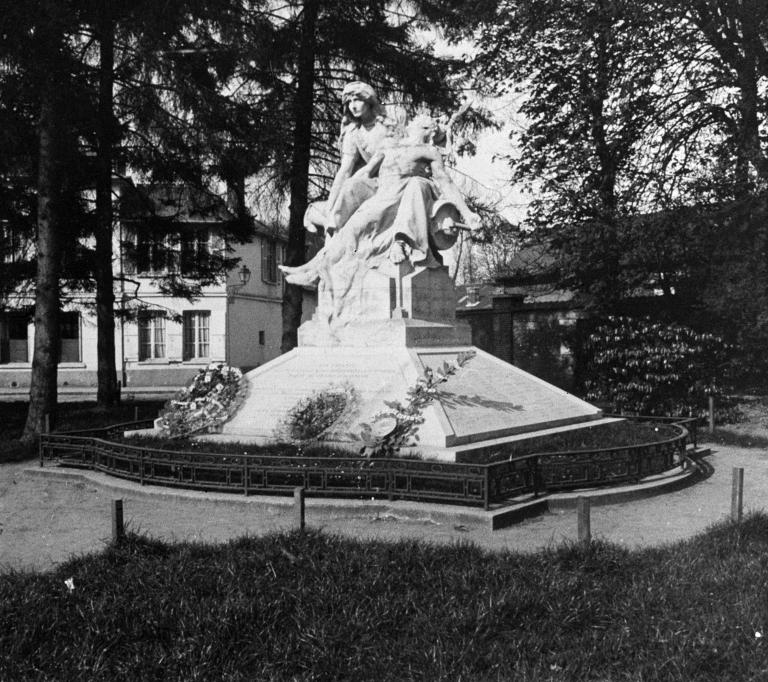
x,y
77,325
155,322
7,320
192,327
269,260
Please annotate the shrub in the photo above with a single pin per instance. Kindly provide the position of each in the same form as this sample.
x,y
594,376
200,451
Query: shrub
x,y
638,366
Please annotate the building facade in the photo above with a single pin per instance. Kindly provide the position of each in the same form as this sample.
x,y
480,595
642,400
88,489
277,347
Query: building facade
x,y
162,340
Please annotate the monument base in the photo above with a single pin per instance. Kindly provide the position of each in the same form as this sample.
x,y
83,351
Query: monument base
x,y
392,328
485,405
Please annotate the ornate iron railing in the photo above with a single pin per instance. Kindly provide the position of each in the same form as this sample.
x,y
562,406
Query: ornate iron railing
x,y
426,480
691,424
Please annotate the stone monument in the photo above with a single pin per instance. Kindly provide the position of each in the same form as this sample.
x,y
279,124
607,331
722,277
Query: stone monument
x,y
386,309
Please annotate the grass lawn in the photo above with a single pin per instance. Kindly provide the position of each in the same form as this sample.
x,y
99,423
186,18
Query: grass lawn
x,y
316,607
71,416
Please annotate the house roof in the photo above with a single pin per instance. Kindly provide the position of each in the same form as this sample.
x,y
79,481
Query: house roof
x,y
481,296
184,204
173,201
535,263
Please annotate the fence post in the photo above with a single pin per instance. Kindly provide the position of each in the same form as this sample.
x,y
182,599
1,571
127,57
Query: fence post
x,y
118,530
135,413
711,414
584,525
47,422
298,507
737,494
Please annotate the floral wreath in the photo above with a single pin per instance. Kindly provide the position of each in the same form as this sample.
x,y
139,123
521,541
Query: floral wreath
x,y
211,399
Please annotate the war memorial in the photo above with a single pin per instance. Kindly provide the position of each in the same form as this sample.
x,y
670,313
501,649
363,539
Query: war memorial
x,y
384,394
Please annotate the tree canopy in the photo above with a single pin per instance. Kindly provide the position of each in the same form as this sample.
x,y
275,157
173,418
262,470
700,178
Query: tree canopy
x,y
645,148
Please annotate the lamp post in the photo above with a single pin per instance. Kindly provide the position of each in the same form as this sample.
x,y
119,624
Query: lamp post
x,y
244,274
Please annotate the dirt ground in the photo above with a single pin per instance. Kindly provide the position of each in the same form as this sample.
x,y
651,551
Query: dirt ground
x,y
45,520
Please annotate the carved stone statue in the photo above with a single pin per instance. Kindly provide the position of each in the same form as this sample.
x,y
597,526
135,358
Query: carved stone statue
x,y
386,307
397,223
362,133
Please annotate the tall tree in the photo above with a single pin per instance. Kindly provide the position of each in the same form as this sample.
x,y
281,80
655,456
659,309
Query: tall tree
x,y
302,148
587,68
36,47
107,391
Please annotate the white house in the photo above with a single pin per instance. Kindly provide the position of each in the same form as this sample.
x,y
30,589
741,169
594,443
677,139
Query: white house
x,y
237,321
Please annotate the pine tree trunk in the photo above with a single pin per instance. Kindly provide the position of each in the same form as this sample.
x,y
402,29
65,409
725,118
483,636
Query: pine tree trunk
x,y
107,394
302,141
43,389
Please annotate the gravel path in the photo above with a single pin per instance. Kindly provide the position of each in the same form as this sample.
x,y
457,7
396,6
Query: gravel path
x,y
44,520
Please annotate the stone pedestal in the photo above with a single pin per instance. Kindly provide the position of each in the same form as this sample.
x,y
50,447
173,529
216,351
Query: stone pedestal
x,y
403,306
398,324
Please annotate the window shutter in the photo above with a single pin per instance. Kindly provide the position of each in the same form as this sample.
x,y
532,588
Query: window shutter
x,y
4,341
218,244
128,251
280,261
264,260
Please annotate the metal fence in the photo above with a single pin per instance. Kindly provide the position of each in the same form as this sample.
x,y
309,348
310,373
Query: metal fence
x,y
469,484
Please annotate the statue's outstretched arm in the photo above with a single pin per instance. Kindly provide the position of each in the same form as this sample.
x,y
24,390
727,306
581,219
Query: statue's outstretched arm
x,y
450,192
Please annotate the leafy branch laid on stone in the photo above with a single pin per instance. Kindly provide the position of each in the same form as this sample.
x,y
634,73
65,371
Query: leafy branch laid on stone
x,y
394,430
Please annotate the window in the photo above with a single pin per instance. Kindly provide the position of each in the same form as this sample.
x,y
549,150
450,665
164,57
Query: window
x,y
151,337
261,338
153,255
269,261
195,250
473,295
70,337
12,248
197,326
14,343
155,252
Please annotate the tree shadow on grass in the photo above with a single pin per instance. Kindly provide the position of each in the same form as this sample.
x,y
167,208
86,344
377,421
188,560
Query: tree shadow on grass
x,y
454,400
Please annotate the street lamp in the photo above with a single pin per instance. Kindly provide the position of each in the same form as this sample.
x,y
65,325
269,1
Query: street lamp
x,y
245,276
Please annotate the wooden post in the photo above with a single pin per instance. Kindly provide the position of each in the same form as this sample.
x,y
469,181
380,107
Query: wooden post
x,y
135,413
118,530
298,507
47,423
737,494
585,530
711,414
